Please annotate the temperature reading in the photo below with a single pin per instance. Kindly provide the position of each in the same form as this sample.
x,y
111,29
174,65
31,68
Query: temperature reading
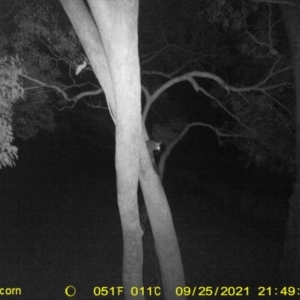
x,y
150,291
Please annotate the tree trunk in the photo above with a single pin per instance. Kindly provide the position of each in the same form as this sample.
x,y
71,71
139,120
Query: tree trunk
x,y
116,65
114,58
292,240
166,244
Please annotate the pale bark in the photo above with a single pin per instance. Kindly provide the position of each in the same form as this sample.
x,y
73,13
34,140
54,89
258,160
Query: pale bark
x,y
292,243
117,24
166,244
111,48
113,54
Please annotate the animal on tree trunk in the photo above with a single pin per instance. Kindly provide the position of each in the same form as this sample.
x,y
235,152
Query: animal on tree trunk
x,y
153,146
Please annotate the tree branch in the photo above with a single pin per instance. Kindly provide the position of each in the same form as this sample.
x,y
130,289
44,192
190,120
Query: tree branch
x,y
63,93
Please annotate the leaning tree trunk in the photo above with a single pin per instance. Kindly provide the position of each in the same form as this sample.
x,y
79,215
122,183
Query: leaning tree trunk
x,y
166,244
292,242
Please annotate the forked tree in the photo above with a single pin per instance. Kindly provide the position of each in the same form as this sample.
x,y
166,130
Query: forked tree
x,y
109,37
257,110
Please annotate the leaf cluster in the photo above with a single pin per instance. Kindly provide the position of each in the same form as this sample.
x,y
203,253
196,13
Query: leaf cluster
x,y
11,89
268,132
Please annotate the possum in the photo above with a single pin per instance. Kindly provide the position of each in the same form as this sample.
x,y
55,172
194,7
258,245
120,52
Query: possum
x,y
153,146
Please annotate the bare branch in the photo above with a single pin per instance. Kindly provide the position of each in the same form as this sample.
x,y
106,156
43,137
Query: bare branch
x,y
295,3
256,40
156,54
218,131
63,93
169,75
219,80
190,78
270,26
281,105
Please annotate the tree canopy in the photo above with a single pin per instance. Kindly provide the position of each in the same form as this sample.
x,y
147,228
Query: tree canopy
x,y
232,54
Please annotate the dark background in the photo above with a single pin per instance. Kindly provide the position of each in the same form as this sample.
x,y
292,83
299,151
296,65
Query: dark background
x,y
59,222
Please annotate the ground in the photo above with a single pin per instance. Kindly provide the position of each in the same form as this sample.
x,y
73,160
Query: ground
x,y
59,226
